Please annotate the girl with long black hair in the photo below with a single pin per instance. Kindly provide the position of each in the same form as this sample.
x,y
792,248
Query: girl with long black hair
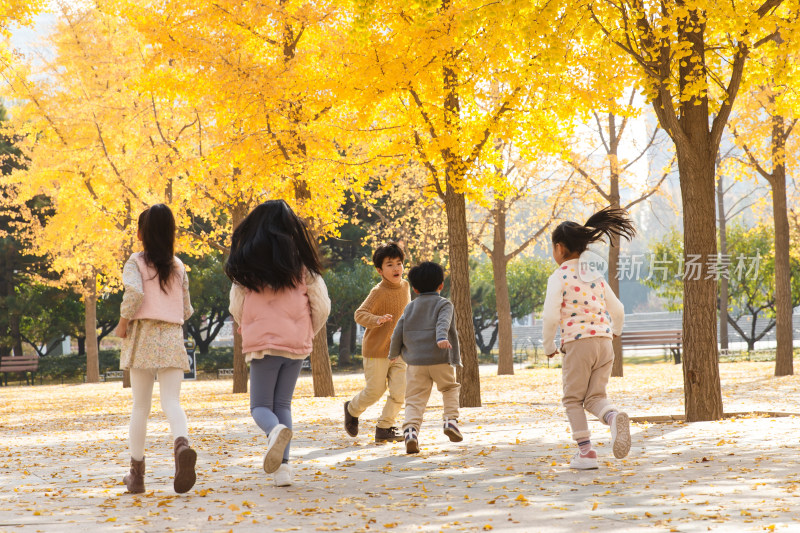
x,y
280,302
590,316
154,307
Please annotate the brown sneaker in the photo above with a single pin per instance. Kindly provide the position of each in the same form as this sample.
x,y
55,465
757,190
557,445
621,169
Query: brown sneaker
x,y
134,479
350,422
388,434
185,459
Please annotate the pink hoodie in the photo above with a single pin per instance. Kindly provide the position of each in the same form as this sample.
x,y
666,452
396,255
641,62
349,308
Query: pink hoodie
x,y
277,320
157,304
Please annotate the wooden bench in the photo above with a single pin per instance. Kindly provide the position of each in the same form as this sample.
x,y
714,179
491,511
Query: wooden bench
x,y
114,374
671,339
24,364
224,372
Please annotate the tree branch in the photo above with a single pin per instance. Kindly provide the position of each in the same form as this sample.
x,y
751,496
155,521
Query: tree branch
x,y
654,189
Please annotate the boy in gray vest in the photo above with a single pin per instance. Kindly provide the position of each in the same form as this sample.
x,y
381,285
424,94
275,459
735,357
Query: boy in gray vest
x,y
426,338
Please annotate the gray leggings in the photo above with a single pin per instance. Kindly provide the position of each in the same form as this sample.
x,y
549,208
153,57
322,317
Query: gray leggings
x,y
272,381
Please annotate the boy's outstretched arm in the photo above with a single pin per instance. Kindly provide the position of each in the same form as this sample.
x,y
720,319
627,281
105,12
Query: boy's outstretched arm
x,y
455,350
444,317
364,316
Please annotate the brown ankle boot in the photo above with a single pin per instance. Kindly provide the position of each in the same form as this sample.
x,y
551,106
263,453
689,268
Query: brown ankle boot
x,y
185,458
134,479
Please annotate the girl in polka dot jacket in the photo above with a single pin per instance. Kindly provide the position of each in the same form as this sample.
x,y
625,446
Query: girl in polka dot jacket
x,y
590,315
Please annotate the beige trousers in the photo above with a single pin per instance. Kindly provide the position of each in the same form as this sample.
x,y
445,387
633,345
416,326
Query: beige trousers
x,y
585,372
419,382
380,374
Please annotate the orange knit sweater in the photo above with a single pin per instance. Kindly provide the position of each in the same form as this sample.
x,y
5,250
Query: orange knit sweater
x,y
384,298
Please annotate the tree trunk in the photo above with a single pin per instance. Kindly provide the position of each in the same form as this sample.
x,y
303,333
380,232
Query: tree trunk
x,y
14,332
90,328
613,259
505,358
458,240
700,362
345,346
240,377
613,284
203,346
469,376
724,298
696,148
784,364
321,366
613,251
354,336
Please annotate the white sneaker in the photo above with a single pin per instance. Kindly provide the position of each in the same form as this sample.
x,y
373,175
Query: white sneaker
x,y
277,441
621,435
584,462
283,475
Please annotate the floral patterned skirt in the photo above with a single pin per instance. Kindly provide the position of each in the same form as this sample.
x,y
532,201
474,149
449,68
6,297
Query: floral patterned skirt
x,y
153,344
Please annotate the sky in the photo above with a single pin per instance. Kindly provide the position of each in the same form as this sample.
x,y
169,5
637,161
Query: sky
x,y
24,38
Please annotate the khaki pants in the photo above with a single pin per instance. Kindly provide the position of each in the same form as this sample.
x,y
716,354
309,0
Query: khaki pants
x,y
585,372
378,373
419,381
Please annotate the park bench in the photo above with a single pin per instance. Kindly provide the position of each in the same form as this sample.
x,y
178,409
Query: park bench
x,y
224,372
23,364
114,374
671,339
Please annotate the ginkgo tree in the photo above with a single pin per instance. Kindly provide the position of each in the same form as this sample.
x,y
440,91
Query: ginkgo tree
x,y
770,149
691,57
92,149
525,199
262,78
614,175
446,80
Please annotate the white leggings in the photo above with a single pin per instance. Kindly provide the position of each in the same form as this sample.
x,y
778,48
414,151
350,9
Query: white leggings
x,y
169,384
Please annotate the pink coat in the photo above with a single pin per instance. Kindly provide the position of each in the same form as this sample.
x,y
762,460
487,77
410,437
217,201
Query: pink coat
x,y
157,304
277,320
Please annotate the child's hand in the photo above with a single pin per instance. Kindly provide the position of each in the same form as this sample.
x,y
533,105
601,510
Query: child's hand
x,y
444,344
551,355
121,330
384,319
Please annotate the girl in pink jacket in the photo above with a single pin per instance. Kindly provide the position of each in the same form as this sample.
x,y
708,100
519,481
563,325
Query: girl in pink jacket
x,y
589,314
280,302
154,306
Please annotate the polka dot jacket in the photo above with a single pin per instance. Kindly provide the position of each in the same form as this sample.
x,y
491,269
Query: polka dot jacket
x,y
579,308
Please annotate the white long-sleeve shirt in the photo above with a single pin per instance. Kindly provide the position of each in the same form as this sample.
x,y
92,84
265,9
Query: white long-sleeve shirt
x,y
579,307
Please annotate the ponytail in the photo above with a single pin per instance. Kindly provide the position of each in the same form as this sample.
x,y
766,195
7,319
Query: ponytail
x,y
605,223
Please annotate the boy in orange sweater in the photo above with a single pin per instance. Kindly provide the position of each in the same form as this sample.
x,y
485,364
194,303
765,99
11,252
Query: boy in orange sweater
x,y
379,314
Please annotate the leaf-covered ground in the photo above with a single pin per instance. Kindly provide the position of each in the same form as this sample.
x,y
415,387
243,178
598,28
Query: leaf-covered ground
x,y
63,453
